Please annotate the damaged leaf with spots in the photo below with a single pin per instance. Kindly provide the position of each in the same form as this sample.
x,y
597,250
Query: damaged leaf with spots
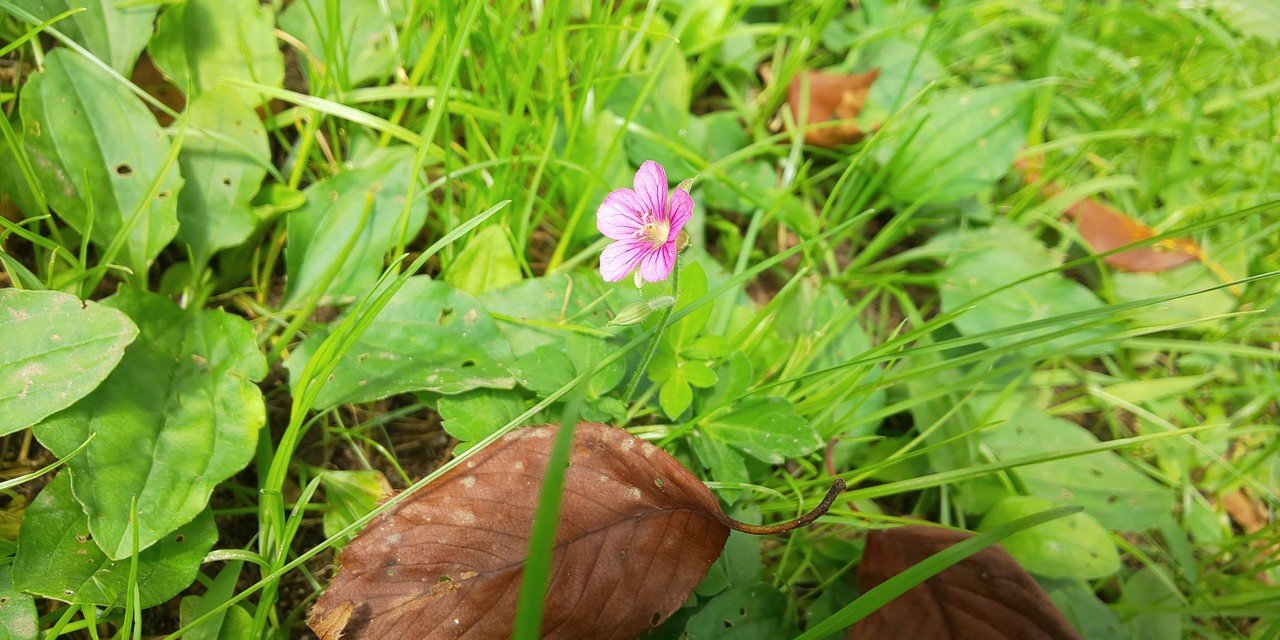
x,y
986,595
429,337
56,349
831,96
637,532
97,152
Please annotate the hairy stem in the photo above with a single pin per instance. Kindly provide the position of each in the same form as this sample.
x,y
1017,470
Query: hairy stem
x,y
662,327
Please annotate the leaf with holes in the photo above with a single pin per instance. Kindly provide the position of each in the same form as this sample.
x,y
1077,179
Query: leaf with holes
x,y
986,595
179,415
17,610
223,171
637,533
97,151
363,208
429,337
115,32
199,43
56,350
58,558
754,612
528,310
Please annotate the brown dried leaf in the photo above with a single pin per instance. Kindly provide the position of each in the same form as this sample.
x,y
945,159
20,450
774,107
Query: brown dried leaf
x,y
832,96
637,533
1245,511
1106,228
987,596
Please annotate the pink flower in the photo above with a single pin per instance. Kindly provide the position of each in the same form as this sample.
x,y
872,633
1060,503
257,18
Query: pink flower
x,y
644,222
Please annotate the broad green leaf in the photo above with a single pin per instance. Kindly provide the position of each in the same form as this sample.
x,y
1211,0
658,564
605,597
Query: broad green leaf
x,y
222,174
544,369
200,42
721,462
319,231
530,310
472,416
97,151
967,141
1110,489
1155,608
179,415
17,610
56,349
675,395
429,337
904,71
114,31
988,259
1075,546
766,428
58,558
353,35
349,495
1086,612
755,612
487,262
222,623
1129,287
237,623
693,285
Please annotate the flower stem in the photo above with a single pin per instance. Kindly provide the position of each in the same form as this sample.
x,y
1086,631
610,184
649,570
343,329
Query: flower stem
x,y
662,327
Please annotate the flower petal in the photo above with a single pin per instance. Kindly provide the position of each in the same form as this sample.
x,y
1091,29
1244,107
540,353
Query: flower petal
x,y
620,258
681,210
651,186
618,217
656,265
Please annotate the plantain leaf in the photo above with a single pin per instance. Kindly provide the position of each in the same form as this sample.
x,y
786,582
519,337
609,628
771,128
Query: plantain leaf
x,y
200,42
429,337
97,151
179,415
57,557
56,350
115,32
336,210
223,173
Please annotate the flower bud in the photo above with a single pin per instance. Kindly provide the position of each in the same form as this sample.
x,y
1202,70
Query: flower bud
x,y
636,312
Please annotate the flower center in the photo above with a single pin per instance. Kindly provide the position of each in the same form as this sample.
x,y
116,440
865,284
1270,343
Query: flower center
x,y
655,233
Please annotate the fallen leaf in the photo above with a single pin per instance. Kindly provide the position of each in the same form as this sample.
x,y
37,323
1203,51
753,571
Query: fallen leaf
x,y
985,597
637,533
1250,514
832,96
1106,228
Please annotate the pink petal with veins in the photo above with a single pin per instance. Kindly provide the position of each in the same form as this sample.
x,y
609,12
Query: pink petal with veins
x,y
681,204
656,265
651,186
619,216
619,258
